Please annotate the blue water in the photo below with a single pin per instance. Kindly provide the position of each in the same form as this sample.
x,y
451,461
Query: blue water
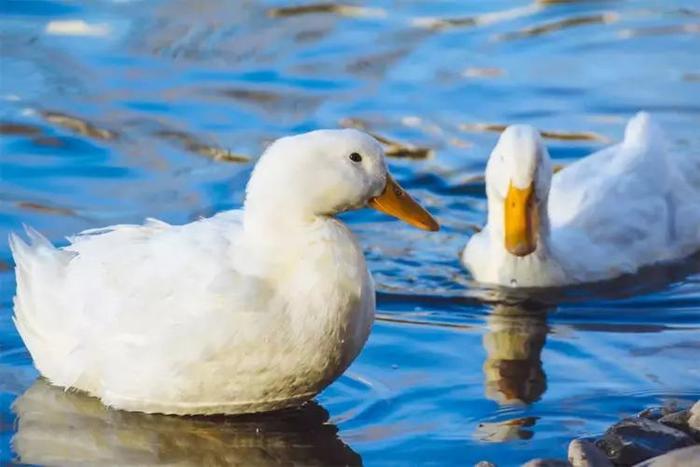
x,y
112,111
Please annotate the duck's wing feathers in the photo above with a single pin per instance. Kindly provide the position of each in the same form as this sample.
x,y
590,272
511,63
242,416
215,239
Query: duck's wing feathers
x,y
121,287
625,204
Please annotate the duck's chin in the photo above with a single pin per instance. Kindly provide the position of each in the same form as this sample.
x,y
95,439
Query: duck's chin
x,y
343,208
539,267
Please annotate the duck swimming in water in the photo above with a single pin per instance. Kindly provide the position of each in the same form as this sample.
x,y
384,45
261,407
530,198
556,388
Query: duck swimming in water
x,y
627,206
250,310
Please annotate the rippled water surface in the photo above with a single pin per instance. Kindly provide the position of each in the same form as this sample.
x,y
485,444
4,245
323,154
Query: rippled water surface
x,y
117,110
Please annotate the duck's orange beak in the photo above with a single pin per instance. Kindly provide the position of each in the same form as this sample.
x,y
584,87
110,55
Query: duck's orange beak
x,y
520,220
397,203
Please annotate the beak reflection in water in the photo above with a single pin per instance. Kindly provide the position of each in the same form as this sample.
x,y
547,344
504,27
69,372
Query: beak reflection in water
x,y
513,369
513,373
60,427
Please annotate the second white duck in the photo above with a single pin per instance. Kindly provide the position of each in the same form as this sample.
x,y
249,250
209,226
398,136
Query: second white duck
x,y
624,207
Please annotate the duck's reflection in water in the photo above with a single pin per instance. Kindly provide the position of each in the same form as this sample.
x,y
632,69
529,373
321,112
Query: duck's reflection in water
x,y
513,369
56,427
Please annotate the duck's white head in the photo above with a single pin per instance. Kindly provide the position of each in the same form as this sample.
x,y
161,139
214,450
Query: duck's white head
x,y
518,177
323,173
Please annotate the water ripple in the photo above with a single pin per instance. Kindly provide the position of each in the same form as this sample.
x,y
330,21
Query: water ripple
x,y
117,111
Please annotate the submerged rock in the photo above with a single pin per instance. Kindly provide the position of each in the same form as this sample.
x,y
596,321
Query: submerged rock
x,y
635,439
547,463
583,453
653,413
685,457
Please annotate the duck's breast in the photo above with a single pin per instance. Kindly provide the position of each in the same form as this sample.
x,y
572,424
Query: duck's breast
x,y
332,295
290,319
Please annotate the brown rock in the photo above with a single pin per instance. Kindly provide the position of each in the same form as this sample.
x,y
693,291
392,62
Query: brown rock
x,y
694,420
681,421
695,409
685,457
634,440
583,453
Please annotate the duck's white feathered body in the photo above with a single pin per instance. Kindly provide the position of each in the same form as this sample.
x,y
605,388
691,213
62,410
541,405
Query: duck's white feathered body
x,y
246,311
197,318
627,206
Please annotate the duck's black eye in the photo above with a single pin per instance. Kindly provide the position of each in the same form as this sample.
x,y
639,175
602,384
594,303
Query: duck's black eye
x,y
355,157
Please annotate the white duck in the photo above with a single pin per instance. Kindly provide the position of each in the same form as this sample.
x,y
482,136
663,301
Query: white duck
x,y
247,311
611,213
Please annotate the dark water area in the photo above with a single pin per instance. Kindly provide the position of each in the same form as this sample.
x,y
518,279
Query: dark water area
x,y
113,111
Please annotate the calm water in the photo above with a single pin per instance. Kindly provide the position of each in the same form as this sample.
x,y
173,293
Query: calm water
x,y
114,111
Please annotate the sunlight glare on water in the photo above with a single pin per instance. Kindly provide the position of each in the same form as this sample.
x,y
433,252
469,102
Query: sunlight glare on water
x,y
113,111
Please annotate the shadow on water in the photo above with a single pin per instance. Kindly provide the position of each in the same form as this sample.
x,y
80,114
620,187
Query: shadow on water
x,y
57,427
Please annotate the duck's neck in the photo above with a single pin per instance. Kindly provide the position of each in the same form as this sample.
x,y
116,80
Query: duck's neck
x,y
282,221
270,214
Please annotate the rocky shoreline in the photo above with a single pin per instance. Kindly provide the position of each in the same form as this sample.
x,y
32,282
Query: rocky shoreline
x,y
655,437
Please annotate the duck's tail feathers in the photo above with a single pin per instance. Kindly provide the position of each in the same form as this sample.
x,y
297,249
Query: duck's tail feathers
x,y
643,130
40,268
